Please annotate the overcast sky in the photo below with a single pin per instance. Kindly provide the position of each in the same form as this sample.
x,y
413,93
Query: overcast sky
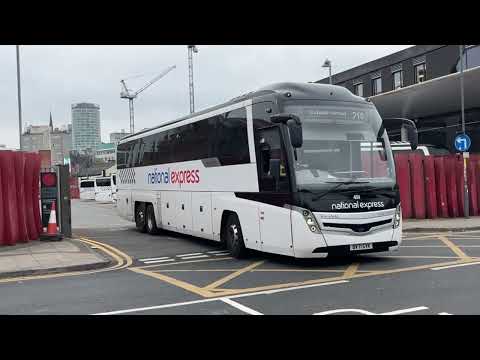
x,y
54,77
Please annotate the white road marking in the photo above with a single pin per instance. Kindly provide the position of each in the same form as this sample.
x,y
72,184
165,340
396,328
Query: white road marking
x,y
215,299
454,266
157,258
269,292
404,311
217,251
330,312
182,255
194,257
158,261
365,312
241,307
222,254
444,313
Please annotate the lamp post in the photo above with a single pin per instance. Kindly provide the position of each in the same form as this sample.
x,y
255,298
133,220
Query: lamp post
x,y
328,64
191,49
466,207
19,99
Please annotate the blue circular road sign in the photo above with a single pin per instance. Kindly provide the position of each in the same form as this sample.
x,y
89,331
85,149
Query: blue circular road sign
x,y
462,142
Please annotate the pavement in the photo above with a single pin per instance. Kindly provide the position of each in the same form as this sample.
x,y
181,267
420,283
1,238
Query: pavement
x,y
441,224
41,257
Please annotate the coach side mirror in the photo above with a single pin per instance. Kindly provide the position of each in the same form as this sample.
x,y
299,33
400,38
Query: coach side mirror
x,y
408,129
296,134
275,171
294,127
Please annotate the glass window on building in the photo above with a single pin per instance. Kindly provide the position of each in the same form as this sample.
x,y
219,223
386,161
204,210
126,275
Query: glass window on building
x,y
376,86
358,89
420,73
397,79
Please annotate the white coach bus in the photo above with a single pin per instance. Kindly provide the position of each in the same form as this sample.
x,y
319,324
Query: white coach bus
x,y
303,170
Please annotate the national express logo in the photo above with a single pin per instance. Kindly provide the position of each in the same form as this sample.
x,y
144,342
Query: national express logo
x,y
342,205
173,177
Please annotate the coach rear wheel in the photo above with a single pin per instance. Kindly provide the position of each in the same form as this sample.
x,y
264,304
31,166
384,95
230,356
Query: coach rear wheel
x,y
151,222
140,220
234,237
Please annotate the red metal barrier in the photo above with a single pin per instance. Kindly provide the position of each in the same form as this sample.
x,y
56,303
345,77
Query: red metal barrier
x,y
418,187
441,187
2,221
36,193
402,170
11,235
430,187
29,168
472,187
19,162
460,183
450,175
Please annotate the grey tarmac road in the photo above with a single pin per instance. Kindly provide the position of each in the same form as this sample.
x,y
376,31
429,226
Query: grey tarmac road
x,y
175,274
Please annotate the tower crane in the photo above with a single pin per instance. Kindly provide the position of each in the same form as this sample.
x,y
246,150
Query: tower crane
x,y
131,95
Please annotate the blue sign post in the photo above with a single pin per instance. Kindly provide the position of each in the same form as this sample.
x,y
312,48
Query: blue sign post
x,y
462,142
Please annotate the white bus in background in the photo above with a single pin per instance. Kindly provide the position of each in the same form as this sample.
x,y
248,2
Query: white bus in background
x,y
303,170
103,189
87,189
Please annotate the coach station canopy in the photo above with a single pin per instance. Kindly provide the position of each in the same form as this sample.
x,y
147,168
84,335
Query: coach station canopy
x,y
433,97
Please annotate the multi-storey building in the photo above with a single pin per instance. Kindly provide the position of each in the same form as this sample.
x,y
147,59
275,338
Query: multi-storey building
x,y
85,127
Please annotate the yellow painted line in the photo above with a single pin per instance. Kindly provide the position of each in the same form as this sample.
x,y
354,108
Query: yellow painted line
x,y
422,237
182,284
193,270
119,263
183,262
126,257
226,292
454,247
351,270
233,275
420,257
301,270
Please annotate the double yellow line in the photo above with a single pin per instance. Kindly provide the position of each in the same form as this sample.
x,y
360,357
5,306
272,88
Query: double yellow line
x,y
121,259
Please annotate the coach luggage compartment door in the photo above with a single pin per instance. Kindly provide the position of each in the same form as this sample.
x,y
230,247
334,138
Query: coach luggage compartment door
x,y
275,229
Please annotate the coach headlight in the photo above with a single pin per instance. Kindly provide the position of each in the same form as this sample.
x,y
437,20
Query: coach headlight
x,y
398,216
312,223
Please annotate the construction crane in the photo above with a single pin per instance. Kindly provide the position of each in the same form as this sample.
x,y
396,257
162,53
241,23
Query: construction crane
x,y
130,95
191,49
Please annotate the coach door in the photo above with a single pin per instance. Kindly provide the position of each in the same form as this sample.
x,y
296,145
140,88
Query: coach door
x,y
274,217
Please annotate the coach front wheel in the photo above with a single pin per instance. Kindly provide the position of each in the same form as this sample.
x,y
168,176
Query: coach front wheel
x,y
234,237
140,217
151,222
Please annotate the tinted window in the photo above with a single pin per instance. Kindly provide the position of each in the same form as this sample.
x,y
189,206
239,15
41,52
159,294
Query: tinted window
x,y
223,137
358,89
232,138
420,73
103,182
376,86
87,184
397,80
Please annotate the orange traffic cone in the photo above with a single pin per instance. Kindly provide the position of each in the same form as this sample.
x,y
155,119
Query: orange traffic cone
x,y
52,221
52,230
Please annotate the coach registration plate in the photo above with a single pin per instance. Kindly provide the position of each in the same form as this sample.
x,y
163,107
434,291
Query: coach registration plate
x,y
356,247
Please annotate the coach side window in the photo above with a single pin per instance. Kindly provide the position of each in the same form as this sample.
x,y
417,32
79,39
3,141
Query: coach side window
x,y
232,138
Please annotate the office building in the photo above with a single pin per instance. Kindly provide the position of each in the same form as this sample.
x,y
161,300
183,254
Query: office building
x,y
85,127
422,83
115,137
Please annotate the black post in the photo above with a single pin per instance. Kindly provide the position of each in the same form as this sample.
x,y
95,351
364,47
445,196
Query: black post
x,y
64,202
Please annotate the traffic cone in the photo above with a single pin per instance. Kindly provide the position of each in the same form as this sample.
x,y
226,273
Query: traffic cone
x,y
52,221
52,230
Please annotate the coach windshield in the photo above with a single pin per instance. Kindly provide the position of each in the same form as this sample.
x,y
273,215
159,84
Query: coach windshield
x,y
342,142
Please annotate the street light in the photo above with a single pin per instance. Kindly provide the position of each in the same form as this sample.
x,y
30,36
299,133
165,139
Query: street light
x,y
19,99
328,64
